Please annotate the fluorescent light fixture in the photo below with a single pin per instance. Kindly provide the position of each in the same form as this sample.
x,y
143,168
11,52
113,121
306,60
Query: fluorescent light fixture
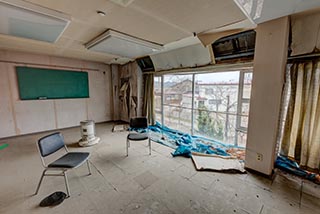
x,y
23,19
120,44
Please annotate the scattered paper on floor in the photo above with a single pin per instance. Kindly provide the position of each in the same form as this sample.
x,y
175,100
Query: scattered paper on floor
x,y
217,163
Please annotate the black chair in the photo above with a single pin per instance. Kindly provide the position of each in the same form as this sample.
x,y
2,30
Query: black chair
x,y
138,123
52,143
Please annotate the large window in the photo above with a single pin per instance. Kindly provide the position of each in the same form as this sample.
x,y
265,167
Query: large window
x,y
213,105
177,102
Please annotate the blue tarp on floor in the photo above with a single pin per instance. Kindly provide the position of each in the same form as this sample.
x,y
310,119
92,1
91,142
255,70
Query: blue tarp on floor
x,y
293,167
184,143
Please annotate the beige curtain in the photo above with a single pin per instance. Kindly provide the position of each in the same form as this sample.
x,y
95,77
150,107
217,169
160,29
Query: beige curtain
x,y
301,137
148,98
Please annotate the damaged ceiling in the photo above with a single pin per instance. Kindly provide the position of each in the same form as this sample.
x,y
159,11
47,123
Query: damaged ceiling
x,y
163,22
171,23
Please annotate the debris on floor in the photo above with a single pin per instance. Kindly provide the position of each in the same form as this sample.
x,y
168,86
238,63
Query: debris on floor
x,y
293,167
207,154
54,199
184,144
120,128
217,163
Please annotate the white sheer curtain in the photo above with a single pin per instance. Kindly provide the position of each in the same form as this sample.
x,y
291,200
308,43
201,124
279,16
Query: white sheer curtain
x,y
301,137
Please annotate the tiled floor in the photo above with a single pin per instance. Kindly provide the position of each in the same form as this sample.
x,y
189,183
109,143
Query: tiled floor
x,y
141,183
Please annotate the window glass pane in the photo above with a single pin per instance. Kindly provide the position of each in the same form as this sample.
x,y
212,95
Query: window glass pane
x,y
217,126
242,138
177,118
247,81
244,122
217,91
245,108
157,108
157,86
244,115
178,90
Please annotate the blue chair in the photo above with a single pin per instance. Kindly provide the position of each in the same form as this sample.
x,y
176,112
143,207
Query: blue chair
x,y
138,123
52,143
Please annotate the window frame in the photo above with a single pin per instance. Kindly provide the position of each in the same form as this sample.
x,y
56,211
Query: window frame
x,y
240,99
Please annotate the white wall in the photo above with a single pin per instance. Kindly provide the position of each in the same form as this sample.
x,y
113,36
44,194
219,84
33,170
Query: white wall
x,y
115,91
29,116
268,78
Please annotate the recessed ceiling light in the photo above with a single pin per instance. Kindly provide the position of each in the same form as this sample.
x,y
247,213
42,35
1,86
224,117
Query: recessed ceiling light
x,y
101,13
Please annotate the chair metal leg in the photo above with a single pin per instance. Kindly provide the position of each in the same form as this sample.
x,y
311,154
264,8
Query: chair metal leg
x,y
39,184
67,184
88,164
128,145
149,146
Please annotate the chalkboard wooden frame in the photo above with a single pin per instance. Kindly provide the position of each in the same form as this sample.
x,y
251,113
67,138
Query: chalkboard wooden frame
x,y
45,83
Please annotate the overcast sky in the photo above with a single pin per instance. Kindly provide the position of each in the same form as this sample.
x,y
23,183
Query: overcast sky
x,y
218,77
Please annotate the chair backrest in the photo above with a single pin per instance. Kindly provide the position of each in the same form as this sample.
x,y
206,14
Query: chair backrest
x,y
50,144
139,122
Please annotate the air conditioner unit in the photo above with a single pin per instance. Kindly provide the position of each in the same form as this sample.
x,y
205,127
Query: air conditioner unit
x,y
120,44
235,46
145,64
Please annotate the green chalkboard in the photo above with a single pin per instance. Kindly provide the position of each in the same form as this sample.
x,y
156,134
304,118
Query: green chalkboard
x,y
41,83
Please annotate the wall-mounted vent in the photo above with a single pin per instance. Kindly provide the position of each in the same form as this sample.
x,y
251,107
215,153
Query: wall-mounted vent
x,y
120,44
145,63
235,46
22,19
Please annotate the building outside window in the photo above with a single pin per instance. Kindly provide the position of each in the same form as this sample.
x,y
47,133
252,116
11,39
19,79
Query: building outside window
x,y
213,105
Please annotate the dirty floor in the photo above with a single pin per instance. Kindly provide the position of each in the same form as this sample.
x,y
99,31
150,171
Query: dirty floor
x,y
141,183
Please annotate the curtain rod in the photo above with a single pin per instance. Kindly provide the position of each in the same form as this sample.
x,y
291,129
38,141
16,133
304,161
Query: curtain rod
x,y
204,69
304,56
56,66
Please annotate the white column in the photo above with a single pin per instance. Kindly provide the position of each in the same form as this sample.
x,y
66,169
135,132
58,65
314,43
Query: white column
x,y
268,78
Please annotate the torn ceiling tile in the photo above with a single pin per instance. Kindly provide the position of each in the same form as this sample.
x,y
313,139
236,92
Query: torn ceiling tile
x,y
211,36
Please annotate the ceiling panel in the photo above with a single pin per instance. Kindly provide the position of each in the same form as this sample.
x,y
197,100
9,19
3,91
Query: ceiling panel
x,y
82,32
25,45
194,16
78,9
140,25
86,55
160,21
29,22
14,43
123,19
264,10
